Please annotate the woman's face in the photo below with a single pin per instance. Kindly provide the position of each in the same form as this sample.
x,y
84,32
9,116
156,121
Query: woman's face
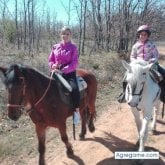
x,y
143,36
66,36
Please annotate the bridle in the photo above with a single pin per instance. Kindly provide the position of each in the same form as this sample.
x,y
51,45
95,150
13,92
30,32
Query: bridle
x,y
23,94
21,106
137,94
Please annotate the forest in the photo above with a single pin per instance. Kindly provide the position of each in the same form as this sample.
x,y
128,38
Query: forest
x,y
100,25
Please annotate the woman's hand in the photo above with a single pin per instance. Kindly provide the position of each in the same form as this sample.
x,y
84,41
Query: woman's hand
x,y
55,66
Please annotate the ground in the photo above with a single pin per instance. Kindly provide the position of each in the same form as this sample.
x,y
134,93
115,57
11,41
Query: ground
x,y
115,131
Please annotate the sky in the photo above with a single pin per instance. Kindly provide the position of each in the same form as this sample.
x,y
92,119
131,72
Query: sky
x,y
57,6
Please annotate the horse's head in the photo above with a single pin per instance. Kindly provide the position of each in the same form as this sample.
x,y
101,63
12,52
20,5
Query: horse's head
x,y
15,86
136,77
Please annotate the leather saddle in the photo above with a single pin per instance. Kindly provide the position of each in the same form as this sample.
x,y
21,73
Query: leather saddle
x,y
160,80
65,89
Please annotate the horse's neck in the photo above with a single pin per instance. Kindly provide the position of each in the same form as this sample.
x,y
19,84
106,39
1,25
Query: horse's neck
x,y
38,85
150,87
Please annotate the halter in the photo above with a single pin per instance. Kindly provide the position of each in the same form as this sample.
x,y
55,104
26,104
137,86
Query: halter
x,y
23,95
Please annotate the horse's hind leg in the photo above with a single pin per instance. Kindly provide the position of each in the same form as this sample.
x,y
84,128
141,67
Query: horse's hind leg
x,y
91,118
40,130
64,138
87,117
84,118
154,117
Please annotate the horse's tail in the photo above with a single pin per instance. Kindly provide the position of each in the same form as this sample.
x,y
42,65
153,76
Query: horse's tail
x,y
87,114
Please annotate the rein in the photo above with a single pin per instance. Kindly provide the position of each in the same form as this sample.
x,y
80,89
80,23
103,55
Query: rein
x,y
45,91
23,94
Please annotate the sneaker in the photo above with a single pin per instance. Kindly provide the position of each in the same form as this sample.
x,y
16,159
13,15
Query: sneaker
x,y
76,117
121,98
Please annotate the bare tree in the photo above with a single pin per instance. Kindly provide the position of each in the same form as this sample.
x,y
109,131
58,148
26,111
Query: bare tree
x,y
108,23
25,23
16,24
84,27
68,10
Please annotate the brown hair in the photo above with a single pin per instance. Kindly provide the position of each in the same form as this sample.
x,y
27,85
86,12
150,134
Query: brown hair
x,y
65,28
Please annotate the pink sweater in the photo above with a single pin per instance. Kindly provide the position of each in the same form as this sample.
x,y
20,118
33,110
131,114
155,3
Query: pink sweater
x,y
144,50
65,55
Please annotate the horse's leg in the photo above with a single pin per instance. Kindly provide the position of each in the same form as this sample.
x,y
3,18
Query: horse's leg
x,y
155,114
153,122
92,117
136,115
64,138
137,119
143,133
40,130
84,116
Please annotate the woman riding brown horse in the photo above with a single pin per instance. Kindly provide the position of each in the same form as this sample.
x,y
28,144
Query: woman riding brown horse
x,y
39,96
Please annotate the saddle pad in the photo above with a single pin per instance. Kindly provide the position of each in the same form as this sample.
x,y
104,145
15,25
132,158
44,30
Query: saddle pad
x,y
81,83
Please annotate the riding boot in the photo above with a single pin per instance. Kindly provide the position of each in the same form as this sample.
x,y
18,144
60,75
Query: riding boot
x,y
121,97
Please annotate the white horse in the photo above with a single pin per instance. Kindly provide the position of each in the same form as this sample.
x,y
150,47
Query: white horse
x,y
142,93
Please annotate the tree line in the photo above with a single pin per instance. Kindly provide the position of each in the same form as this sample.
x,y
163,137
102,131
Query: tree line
x,y
101,24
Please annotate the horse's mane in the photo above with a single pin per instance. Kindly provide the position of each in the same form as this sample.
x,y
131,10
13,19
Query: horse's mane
x,y
140,62
12,77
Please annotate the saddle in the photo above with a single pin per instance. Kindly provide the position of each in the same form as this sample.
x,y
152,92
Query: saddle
x,y
160,80
162,87
65,89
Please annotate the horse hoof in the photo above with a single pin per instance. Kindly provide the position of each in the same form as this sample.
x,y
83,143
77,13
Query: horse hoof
x,y
137,144
81,137
138,162
91,128
70,153
154,132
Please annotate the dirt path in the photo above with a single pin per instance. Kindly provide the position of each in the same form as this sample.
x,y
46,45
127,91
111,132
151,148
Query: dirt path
x,y
115,131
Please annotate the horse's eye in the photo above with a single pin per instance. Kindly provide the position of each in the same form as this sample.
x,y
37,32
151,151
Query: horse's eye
x,y
144,73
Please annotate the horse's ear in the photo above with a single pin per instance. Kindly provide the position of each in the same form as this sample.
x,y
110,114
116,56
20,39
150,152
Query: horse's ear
x,y
3,70
126,65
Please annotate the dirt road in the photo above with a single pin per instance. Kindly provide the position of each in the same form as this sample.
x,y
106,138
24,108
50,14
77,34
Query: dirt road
x,y
115,131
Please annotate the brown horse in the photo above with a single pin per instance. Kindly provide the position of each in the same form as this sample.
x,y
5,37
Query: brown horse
x,y
37,94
